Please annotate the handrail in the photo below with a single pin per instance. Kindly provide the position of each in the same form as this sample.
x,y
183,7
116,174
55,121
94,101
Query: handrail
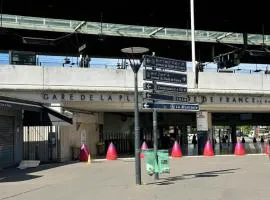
x,y
94,28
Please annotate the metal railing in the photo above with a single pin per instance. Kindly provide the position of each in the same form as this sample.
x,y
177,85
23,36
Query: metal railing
x,y
59,62
94,28
37,145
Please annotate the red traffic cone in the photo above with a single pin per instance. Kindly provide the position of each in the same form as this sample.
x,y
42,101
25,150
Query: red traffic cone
x,y
143,147
84,152
176,150
111,153
89,159
208,149
266,148
239,149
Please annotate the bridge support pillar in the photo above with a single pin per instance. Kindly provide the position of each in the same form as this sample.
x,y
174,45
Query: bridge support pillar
x,y
204,129
185,130
233,136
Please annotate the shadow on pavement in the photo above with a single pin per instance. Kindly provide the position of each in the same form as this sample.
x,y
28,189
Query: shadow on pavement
x,y
16,175
208,174
17,178
212,173
167,181
164,183
205,175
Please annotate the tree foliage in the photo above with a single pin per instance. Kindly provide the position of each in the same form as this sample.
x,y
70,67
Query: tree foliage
x,y
246,129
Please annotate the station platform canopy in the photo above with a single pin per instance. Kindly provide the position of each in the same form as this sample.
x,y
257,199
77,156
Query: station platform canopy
x,y
211,15
121,30
62,28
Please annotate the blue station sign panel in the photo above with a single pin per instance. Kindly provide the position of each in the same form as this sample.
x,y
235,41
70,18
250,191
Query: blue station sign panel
x,y
162,76
165,63
171,106
164,88
165,97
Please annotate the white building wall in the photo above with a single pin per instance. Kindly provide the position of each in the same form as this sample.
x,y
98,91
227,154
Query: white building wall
x,y
71,136
102,79
212,82
80,79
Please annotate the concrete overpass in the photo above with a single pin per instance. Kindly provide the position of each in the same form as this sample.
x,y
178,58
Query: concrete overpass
x,y
100,101
101,89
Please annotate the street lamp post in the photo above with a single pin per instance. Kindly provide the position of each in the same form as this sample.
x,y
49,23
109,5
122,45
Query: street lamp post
x,y
135,65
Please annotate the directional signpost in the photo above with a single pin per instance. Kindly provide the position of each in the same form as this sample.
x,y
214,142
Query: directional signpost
x,y
168,106
164,88
172,73
157,96
162,76
165,63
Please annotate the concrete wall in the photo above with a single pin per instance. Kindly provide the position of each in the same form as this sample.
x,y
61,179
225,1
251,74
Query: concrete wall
x,y
18,132
59,78
101,79
234,83
71,136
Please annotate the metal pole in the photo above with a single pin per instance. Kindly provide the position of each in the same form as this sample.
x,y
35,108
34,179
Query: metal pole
x,y
155,138
137,132
192,35
268,143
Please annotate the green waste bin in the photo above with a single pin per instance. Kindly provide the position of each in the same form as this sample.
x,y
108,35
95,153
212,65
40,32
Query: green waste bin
x,y
163,161
151,163
161,165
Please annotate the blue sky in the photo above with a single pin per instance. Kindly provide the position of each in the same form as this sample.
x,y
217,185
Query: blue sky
x,y
46,60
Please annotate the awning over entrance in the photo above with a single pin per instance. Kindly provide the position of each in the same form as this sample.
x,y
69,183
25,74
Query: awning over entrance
x,y
35,113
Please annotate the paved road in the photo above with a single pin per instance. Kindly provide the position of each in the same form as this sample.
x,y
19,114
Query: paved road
x,y
191,178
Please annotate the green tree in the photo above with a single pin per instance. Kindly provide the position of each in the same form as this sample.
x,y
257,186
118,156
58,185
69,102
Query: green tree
x,y
246,129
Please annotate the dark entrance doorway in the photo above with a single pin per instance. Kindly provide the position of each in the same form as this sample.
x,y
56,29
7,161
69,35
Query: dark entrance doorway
x,y
251,129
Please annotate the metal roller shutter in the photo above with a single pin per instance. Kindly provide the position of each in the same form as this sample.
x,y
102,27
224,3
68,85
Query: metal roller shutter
x,y
6,141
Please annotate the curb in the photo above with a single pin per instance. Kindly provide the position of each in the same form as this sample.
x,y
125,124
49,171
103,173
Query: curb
x,y
229,155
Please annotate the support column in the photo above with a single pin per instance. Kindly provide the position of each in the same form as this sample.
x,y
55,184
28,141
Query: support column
x,y
204,129
155,139
211,131
233,136
185,132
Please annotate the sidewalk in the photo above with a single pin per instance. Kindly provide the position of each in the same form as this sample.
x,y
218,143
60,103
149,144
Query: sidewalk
x,y
204,178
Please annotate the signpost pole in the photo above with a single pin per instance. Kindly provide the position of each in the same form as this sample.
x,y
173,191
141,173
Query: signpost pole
x,y
268,143
135,68
137,132
192,35
170,71
156,177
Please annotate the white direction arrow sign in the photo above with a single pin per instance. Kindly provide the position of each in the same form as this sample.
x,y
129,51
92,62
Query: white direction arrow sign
x,y
145,105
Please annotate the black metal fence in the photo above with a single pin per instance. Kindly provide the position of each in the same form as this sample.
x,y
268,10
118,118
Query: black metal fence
x,y
41,143
124,141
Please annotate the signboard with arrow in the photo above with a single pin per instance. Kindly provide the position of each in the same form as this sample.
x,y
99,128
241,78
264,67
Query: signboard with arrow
x,y
164,88
165,63
172,73
171,106
156,96
162,76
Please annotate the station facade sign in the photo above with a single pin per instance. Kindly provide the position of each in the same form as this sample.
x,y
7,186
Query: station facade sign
x,y
206,99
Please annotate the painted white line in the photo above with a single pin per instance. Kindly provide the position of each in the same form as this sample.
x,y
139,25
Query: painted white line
x,y
129,158
99,160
